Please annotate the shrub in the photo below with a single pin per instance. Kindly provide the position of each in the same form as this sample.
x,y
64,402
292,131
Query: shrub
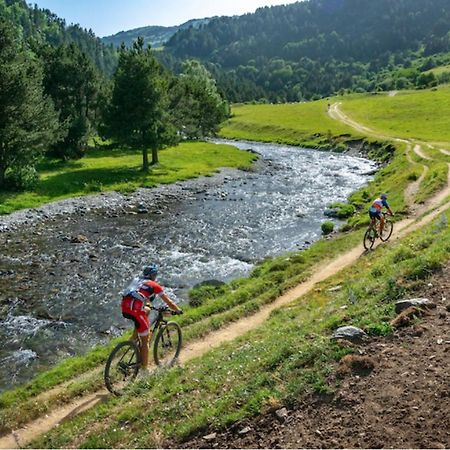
x,y
343,210
93,186
327,227
22,178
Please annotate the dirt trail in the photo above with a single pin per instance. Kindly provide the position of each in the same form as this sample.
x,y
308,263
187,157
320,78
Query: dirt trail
x,y
402,403
335,113
419,152
430,210
413,188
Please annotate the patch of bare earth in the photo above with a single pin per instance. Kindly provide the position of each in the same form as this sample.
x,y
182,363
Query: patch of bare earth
x,y
395,392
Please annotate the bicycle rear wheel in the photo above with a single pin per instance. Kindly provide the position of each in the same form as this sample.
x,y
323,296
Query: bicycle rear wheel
x,y
387,230
167,344
369,238
122,367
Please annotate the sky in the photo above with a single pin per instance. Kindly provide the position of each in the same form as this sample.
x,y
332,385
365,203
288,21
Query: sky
x,y
107,17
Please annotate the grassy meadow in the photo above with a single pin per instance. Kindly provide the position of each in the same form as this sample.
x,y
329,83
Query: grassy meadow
x,y
440,70
418,115
105,169
305,124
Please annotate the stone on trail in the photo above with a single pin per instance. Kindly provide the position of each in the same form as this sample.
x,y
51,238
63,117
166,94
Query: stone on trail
x,y
210,437
350,333
282,414
80,239
423,303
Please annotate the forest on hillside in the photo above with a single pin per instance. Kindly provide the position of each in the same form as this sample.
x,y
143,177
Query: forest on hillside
x,y
153,35
316,48
42,25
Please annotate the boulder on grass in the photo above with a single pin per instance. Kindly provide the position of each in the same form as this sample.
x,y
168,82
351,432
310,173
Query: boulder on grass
x,y
351,334
422,303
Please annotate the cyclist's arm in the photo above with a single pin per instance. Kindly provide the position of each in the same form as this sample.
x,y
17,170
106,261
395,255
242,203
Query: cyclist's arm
x,y
173,306
386,205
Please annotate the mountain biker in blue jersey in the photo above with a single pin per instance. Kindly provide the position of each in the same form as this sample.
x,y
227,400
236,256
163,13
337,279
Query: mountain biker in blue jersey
x,y
376,208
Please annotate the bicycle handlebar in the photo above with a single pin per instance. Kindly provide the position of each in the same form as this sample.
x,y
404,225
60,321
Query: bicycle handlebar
x,y
164,309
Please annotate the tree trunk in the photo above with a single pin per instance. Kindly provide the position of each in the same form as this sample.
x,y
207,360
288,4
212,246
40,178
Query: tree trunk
x,y
154,156
145,165
2,177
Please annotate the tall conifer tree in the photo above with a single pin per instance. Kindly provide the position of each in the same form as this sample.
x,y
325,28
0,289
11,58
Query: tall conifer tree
x,y
28,122
138,115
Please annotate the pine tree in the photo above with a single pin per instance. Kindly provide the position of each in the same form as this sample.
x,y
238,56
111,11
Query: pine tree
x,y
196,104
138,114
72,82
28,121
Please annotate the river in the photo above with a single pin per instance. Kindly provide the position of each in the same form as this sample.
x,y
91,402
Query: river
x,y
61,273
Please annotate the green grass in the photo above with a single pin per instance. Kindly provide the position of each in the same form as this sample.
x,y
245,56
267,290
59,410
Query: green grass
x,y
440,70
423,116
420,115
119,170
274,365
305,124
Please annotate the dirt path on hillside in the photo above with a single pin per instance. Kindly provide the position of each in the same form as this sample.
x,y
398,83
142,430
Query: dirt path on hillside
x,y
413,188
335,113
419,152
431,209
403,403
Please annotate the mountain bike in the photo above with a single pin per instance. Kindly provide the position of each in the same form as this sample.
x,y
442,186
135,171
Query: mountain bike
x,y
124,361
373,232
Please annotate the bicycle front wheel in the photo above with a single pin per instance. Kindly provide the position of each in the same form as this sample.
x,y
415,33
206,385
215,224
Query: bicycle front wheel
x,y
122,367
369,238
167,345
387,230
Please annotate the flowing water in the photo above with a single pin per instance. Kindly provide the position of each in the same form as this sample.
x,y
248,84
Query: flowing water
x,y
59,297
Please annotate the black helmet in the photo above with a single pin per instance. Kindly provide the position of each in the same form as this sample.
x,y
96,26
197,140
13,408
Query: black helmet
x,y
383,196
150,271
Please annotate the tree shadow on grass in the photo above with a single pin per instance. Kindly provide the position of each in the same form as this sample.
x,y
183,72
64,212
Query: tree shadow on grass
x,y
112,152
50,165
89,181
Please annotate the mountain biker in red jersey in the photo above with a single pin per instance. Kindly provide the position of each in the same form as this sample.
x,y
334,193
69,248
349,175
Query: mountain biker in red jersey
x,y
142,290
375,210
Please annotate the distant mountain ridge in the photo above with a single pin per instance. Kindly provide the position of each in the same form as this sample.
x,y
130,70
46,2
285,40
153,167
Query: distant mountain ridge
x,y
315,48
154,35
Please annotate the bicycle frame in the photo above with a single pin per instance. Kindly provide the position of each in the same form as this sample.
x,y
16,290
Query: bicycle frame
x,y
130,356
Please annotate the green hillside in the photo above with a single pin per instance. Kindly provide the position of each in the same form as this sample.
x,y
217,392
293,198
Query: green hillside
x,y
46,27
308,50
156,36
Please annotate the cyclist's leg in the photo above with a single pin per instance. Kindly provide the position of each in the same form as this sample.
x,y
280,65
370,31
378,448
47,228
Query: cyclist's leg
x,y
144,351
143,331
381,218
372,216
